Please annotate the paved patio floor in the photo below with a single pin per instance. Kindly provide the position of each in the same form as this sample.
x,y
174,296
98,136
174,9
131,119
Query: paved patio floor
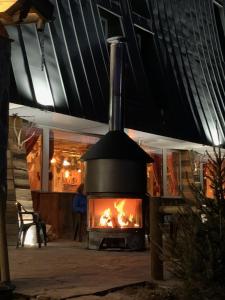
x,y
65,269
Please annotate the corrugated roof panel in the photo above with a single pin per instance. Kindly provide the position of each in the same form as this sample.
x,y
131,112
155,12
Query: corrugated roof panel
x,y
174,70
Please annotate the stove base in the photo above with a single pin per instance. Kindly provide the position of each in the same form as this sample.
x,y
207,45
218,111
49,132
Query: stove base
x,y
116,240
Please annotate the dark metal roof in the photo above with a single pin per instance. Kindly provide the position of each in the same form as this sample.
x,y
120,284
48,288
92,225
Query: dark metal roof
x,y
117,145
174,83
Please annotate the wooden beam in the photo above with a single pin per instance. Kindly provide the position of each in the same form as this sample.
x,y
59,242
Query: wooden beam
x,y
156,262
171,209
5,50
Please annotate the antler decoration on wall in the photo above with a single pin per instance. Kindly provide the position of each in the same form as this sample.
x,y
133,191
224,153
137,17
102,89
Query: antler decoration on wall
x,y
20,143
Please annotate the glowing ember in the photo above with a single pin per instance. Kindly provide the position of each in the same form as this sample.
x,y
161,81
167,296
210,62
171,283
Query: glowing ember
x,y
118,218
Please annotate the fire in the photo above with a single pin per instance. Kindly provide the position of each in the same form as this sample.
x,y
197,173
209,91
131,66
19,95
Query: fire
x,y
118,218
121,216
105,219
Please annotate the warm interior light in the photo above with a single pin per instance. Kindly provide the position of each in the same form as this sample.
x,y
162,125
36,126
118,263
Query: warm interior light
x,y
5,4
53,160
66,163
79,170
66,174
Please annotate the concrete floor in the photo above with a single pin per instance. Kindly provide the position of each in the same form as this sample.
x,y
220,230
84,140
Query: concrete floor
x,y
65,269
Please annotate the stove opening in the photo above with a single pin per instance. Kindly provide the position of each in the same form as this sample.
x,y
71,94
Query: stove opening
x,y
115,213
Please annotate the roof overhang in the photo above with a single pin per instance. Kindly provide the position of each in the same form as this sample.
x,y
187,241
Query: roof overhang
x,y
44,118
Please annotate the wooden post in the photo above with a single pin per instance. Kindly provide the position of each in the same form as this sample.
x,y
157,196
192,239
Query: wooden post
x,y
5,49
155,240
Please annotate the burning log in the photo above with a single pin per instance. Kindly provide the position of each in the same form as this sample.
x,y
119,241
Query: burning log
x,y
118,217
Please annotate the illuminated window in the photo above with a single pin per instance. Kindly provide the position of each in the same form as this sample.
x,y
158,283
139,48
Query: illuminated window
x,y
154,174
66,170
154,171
33,149
173,173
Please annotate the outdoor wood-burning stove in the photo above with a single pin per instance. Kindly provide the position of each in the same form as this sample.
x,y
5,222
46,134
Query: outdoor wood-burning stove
x,y
115,180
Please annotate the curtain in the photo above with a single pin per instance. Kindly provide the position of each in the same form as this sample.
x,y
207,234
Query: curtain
x,y
157,166
32,134
172,174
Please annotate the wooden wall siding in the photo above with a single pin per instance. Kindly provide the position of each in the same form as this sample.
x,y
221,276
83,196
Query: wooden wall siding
x,y
20,170
56,210
18,182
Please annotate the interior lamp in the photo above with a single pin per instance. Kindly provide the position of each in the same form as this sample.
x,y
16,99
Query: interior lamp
x,y
53,160
66,163
66,174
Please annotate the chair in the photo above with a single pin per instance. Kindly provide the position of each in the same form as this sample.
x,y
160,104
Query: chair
x,y
26,223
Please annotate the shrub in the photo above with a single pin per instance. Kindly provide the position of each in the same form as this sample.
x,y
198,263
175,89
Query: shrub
x,y
196,250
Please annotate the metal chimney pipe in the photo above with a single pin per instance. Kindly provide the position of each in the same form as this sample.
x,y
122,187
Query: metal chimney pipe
x,y
116,80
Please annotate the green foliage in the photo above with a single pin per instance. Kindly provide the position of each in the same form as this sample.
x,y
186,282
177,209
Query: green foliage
x,y
196,250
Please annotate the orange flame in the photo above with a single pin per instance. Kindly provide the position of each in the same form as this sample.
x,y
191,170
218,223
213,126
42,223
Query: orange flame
x,y
105,219
119,218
